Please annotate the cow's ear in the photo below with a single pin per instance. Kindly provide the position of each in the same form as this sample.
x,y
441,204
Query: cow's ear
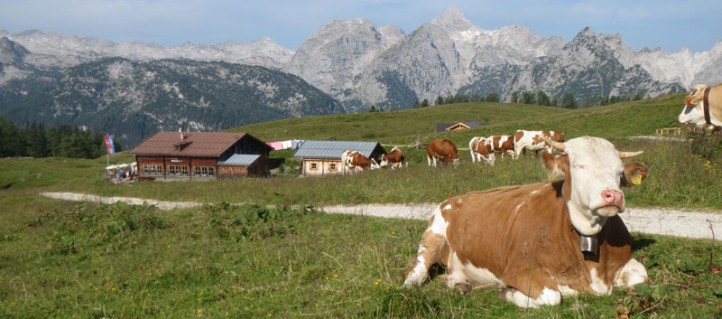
x,y
557,166
634,174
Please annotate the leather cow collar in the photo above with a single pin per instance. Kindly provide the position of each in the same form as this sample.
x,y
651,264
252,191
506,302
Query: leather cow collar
x,y
708,128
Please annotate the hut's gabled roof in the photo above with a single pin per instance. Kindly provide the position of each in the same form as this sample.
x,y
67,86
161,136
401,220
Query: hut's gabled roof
x,y
190,144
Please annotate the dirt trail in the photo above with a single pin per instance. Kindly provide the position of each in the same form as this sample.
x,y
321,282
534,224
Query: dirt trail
x,y
660,221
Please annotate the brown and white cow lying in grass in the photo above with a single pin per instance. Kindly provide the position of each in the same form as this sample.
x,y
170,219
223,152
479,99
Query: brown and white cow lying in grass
x,y
481,148
694,106
442,149
355,161
537,241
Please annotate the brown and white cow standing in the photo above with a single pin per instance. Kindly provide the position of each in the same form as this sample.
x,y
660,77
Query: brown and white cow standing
x,y
533,140
694,106
481,148
442,149
355,161
394,158
503,144
537,241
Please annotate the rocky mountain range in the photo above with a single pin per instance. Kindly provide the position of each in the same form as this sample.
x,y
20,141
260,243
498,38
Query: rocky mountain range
x,y
346,66
135,99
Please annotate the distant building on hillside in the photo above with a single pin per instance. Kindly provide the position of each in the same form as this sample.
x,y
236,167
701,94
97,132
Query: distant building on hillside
x,y
324,157
457,126
201,156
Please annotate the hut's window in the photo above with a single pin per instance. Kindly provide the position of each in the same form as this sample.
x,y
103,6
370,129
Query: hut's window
x,y
314,166
333,166
150,169
204,171
177,170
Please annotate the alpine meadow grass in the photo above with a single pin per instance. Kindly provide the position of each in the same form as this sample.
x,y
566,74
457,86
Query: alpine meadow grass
x,y
259,249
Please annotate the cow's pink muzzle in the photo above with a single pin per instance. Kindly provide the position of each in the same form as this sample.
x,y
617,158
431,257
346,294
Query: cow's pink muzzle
x,y
612,202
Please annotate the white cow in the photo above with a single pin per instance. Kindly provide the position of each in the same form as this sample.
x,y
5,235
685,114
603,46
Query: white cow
x,y
693,111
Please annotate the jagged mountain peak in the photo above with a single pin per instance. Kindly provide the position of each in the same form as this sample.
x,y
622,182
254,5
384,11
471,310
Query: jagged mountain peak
x,y
613,40
11,52
595,43
336,25
453,20
520,32
584,37
339,50
587,46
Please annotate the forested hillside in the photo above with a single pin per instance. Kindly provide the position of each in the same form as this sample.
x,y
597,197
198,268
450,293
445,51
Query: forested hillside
x,y
134,100
35,140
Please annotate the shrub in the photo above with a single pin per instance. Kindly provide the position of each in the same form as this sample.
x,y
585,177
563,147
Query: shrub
x,y
252,222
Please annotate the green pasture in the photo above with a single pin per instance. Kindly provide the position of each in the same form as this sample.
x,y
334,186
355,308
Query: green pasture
x,y
258,249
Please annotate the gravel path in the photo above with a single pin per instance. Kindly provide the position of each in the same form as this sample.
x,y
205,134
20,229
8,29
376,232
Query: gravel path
x,y
660,221
79,197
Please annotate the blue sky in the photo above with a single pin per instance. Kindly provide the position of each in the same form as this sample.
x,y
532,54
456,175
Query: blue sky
x,y
670,25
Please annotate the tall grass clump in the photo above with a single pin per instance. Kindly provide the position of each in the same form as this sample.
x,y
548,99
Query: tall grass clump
x,y
679,175
251,222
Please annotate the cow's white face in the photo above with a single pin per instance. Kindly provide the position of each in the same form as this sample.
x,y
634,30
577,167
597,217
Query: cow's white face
x,y
384,161
596,174
692,114
693,110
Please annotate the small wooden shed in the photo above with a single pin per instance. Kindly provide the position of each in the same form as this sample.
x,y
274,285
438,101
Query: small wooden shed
x,y
457,126
324,157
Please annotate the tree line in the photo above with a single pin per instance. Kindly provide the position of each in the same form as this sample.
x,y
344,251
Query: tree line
x,y
566,100
35,140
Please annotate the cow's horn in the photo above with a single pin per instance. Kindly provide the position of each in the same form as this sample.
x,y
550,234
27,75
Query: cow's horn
x,y
557,145
629,154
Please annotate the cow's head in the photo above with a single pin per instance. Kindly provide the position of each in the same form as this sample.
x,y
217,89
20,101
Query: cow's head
x,y
593,172
693,110
374,164
384,161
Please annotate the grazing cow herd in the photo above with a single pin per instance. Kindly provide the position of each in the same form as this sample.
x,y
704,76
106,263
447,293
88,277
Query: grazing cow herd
x,y
512,145
445,151
540,242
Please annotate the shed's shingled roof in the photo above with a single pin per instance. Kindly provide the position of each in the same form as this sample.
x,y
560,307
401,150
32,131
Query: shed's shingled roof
x,y
195,144
240,160
333,149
